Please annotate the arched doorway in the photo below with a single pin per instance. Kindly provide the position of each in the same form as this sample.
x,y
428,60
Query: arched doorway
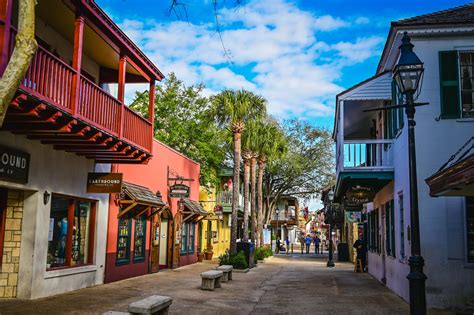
x,y
166,228
159,239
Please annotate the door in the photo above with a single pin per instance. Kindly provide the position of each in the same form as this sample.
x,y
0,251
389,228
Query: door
x,y
163,256
155,244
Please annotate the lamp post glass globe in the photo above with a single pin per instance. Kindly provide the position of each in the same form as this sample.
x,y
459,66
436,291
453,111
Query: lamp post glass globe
x,y
409,70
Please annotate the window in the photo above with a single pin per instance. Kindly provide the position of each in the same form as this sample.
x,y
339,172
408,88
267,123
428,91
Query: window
x,y
402,226
192,228
123,241
470,228
390,228
394,118
466,77
184,239
373,231
456,84
139,239
71,226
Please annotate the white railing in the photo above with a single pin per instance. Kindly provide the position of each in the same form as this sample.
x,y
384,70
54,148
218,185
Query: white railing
x,y
365,155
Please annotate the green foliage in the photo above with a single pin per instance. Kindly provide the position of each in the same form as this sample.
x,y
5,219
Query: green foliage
x,y
263,252
182,121
238,261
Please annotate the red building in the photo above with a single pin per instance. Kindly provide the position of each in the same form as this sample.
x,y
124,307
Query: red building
x,y
145,232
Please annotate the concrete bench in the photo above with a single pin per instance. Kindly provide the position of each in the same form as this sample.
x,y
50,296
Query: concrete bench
x,y
155,304
227,270
211,279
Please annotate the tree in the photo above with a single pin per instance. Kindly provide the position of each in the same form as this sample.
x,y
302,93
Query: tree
x,y
182,121
233,109
250,147
306,169
25,48
271,145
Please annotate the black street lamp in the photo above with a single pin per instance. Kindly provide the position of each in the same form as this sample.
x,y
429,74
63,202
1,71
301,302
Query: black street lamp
x,y
408,74
331,220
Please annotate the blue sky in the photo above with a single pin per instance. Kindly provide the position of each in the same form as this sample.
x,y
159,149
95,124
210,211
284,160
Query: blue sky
x,y
297,54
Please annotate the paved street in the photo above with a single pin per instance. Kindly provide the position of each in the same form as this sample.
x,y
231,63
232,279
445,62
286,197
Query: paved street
x,y
284,284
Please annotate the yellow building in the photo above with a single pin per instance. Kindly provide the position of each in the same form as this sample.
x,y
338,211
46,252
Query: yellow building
x,y
214,232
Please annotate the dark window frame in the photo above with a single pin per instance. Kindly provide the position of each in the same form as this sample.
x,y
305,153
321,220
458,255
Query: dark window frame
x,y
142,220
126,260
469,229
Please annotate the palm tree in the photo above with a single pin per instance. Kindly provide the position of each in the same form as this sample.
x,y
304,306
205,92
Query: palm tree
x,y
272,145
250,147
234,109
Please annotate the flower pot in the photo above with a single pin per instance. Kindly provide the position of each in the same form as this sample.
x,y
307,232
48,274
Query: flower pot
x,y
209,255
200,256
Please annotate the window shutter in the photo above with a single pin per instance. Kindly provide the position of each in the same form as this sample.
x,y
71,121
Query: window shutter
x,y
449,84
392,226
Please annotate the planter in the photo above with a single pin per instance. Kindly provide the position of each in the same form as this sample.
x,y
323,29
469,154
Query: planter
x,y
240,270
200,256
208,255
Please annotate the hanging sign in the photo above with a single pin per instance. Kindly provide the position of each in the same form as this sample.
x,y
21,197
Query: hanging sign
x,y
104,183
353,216
179,191
14,165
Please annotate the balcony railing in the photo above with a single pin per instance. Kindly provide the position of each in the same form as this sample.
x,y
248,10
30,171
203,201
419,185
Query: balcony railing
x,y
224,197
365,155
51,80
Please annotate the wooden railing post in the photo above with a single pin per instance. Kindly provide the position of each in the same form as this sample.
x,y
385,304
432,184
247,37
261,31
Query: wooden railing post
x,y
151,111
5,28
77,62
121,90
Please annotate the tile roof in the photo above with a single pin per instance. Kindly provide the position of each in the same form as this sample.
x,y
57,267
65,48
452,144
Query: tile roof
x,y
457,15
194,206
141,195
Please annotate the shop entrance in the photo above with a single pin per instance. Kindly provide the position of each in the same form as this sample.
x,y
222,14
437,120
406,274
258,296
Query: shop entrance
x,y
3,215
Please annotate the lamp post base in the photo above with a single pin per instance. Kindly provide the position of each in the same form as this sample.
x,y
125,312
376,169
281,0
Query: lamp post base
x,y
416,279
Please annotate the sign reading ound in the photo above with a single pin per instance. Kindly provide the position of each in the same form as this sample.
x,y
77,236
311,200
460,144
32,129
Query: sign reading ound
x,y
107,183
14,165
179,191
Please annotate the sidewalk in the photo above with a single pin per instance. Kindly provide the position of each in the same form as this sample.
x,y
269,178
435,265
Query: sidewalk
x,y
297,284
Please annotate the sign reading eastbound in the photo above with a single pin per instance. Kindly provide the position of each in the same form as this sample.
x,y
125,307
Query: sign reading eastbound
x,y
104,183
14,165
179,191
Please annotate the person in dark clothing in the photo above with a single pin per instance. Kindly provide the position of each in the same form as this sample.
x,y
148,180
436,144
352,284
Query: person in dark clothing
x,y
317,241
278,246
361,249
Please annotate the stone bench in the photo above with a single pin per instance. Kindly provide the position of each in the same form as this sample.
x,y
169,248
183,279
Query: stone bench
x,y
227,270
155,304
211,279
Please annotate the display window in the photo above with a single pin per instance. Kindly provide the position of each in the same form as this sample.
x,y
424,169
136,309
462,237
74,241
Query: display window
x,y
71,232
139,239
123,240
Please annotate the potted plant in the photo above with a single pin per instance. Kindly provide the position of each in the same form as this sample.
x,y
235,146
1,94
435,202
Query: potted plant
x,y
208,253
200,256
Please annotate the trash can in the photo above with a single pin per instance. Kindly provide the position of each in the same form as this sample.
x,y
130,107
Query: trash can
x,y
249,250
342,252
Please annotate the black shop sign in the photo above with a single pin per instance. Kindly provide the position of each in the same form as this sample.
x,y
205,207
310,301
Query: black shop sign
x,y
179,191
14,165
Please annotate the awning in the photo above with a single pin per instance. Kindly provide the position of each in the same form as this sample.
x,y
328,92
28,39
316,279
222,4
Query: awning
x,y
455,177
136,199
348,180
193,211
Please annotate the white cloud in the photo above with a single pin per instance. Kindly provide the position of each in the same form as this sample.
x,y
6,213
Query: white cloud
x,y
275,52
362,20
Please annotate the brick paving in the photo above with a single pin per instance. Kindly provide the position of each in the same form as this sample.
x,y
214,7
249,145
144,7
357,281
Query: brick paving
x,y
296,284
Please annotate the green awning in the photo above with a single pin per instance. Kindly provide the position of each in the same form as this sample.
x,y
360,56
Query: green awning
x,y
375,180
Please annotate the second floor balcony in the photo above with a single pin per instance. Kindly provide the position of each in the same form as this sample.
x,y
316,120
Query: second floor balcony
x,y
73,94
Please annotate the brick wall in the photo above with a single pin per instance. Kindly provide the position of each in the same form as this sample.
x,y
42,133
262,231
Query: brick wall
x,y
11,245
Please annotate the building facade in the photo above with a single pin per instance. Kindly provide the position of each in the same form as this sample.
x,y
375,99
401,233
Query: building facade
x,y
144,234
372,157
61,125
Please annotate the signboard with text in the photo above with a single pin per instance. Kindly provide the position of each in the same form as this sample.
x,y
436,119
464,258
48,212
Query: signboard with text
x,y
14,165
104,183
179,191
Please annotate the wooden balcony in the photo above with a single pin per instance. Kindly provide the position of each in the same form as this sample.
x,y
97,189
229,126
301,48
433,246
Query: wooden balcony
x,y
365,155
88,121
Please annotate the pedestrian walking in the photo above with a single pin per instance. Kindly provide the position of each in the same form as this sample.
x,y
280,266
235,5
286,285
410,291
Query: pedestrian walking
x,y
308,243
361,249
277,250
317,241
287,241
302,242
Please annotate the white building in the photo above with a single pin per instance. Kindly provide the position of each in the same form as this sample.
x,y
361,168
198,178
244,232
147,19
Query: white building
x,y
372,157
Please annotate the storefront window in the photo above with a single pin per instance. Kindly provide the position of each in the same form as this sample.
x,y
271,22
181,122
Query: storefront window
x,y
69,232
470,228
123,241
192,228
184,239
139,239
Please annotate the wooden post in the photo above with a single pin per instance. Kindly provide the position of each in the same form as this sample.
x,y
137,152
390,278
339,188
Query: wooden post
x,y
5,30
151,112
77,62
121,89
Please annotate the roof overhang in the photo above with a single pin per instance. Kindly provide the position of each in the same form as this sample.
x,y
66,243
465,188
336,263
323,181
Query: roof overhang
x,y
376,180
456,180
136,200
193,211
375,88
